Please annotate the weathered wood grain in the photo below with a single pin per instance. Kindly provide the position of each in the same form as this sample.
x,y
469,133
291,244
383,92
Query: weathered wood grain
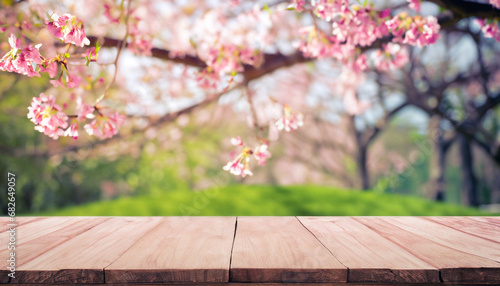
x,y
465,224
369,256
448,236
83,257
18,220
28,249
280,249
492,220
40,237
179,249
456,266
266,251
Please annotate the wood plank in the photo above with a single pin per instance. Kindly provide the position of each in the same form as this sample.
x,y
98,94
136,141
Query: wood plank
x,y
465,224
4,221
448,236
492,220
369,256
32,244
280,249
42,227
28,250
456,266
82,258
178,250
29,228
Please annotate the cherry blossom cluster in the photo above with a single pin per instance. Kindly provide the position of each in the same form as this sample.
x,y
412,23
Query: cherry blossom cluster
x,y
240,166
391,56
105,126
415,31
69,29
490,28
291,120
414,4
220,43
21,60
141,42
360,26
50,118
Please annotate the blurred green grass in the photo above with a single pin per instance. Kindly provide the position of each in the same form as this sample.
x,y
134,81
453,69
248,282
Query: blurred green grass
x,y
251,200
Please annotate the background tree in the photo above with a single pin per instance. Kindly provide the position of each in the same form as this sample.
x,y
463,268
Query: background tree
x,y
117,70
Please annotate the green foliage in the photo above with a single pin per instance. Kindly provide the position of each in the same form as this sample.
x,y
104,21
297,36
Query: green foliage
x,y
248,200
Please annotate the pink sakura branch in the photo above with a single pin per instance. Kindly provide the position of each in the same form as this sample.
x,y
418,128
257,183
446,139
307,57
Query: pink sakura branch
x,y
240,165
353,31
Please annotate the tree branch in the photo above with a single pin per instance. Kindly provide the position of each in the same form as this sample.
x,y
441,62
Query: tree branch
x,y
464,9
381,124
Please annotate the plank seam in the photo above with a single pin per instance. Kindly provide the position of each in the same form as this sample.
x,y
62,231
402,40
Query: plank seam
x,y
104,268
232,248
423,238
324,247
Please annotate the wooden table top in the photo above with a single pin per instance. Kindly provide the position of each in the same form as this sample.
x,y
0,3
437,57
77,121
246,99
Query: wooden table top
x,y
254,250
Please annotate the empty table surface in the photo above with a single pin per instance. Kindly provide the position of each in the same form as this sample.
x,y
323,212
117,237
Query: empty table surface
x,y
253,250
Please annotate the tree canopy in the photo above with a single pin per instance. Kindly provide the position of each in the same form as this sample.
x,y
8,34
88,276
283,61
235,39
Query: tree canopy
x,y
140,64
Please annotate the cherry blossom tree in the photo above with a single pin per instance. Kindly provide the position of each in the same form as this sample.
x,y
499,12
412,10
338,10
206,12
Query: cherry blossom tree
x,y
143,63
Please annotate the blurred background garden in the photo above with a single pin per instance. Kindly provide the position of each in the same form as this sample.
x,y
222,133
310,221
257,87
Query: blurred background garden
x,y
422,139
176,169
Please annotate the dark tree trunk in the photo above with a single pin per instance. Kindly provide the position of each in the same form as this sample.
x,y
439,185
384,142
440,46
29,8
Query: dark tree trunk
x,y
493,172
362,168
437,163
469,181
361,156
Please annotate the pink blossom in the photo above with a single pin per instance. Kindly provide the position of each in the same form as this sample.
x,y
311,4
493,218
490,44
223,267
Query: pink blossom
x,y
23,61
317,45
297,5
141,46
489,28
71,82
250,57
208,79
84,109
328,9
69,29
361,26
360,65
393,56
105,126
414,4
262,154
57,82
238,169
495,3
416,31
240,165
72,131
237,141
107,14
48,116
224,60
291,121
50,67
